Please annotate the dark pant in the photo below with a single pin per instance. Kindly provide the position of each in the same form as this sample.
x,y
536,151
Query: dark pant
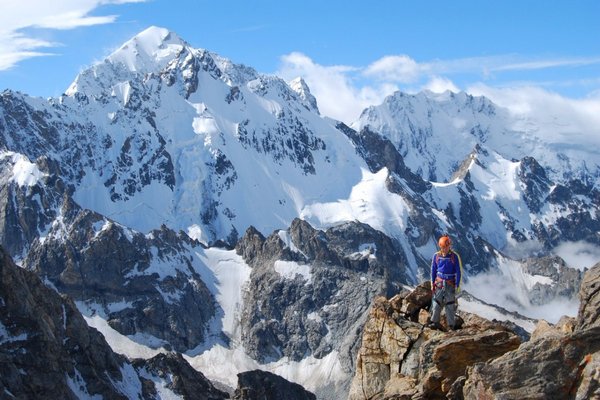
x,y
444,295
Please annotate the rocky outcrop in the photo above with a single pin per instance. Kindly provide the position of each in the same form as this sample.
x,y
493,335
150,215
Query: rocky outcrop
x,y
46,346
551,367
27,209
263,385
559,362
47,350
402,358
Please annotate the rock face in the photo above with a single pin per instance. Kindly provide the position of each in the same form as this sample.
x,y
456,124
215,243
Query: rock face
x,y
309,289
400,358
550,367
589,308
144,283
565,281
262,385
47,350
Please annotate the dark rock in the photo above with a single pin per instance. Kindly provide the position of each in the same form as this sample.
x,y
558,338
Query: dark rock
x,y
380,152
181,377
46,348
263,385
537,185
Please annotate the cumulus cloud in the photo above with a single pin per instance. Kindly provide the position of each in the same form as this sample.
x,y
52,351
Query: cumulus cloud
x,y
338,94
17,16
394,68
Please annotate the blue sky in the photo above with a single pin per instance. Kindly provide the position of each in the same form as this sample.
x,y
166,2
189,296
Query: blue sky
x,y
351,53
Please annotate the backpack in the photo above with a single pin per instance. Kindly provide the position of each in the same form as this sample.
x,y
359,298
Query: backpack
x,y
452,258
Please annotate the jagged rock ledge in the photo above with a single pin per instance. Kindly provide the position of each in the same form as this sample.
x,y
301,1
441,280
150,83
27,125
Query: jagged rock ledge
x,y
401,358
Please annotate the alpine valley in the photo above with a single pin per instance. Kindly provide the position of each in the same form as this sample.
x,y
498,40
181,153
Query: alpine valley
x,y
209,222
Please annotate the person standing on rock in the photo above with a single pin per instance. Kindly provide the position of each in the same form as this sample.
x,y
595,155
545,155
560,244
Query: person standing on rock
x,y
446,271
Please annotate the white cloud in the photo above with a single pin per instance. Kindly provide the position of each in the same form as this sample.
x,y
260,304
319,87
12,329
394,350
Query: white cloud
x,y
343,92
439,84
401,69
562,119
543,64
18,15
579,255
335,87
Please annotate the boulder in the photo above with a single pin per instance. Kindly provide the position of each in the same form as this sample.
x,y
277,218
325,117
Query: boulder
x,y
552,367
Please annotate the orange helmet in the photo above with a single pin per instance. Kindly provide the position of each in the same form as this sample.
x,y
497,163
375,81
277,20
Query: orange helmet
x,y
444,241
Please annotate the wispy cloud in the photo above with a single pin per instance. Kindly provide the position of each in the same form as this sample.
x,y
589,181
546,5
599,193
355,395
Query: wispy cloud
x,y
18,20
404,69
544,64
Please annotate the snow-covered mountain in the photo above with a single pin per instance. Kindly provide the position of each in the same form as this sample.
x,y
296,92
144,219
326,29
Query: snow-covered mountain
x,y
196,142
189,203
436,132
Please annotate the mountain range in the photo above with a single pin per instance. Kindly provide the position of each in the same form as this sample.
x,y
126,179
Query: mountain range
x,y
190,204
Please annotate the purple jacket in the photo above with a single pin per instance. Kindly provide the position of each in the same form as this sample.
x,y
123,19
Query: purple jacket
x,y
446,267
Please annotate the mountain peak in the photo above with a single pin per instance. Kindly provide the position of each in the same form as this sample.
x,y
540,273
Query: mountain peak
x,y
154,45
299,86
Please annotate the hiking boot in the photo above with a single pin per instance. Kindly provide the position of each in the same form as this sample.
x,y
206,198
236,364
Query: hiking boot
x,y
435,326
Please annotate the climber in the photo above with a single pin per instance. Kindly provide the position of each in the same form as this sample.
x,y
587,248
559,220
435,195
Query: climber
x,y
446,271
